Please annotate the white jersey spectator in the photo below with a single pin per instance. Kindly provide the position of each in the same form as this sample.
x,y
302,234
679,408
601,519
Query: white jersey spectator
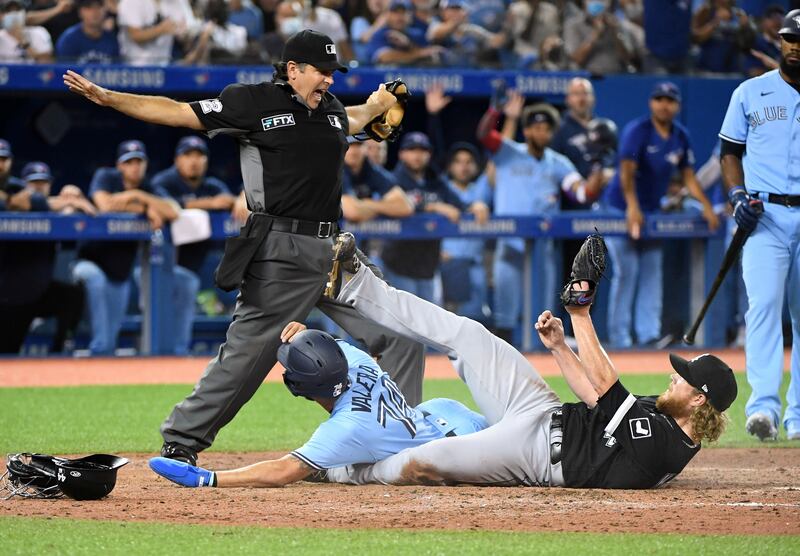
x,y
148,29
19,43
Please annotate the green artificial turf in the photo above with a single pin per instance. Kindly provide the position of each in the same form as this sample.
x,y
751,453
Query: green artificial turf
x,y
127,418
62,536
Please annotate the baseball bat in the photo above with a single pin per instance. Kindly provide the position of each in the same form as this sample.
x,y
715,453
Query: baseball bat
x,y
727,262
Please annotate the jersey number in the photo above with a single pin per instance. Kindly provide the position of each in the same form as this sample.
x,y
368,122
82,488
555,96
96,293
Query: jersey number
x,y
395,407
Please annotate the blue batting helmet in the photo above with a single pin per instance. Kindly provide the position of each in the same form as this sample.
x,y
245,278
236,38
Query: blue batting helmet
x,y
316,366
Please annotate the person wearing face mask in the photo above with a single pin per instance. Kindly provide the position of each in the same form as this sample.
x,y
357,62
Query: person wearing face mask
x,y
292,137
18,42
531,22
597,41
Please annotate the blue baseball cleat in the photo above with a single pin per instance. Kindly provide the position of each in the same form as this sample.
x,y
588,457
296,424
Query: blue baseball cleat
x,y
181,473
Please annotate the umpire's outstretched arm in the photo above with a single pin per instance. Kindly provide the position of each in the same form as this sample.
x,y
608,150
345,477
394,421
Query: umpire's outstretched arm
x,y
152,109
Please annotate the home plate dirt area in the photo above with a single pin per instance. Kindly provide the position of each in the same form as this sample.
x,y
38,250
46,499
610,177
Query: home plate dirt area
x,y
722,491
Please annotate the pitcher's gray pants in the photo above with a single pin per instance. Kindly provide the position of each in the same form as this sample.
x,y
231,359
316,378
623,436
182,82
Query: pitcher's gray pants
x,y
515,400
283,282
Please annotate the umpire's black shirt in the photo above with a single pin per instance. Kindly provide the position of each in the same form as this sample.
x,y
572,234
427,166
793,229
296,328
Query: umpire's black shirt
x,y
623,442
291,157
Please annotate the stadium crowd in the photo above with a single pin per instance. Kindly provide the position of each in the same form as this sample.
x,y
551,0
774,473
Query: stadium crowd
x,y
599,36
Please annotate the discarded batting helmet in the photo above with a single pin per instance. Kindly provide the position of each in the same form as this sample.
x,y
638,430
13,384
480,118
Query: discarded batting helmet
x,y
43,476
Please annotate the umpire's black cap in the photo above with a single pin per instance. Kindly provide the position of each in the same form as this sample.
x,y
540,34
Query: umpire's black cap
x,y
710,375
791,24
311,47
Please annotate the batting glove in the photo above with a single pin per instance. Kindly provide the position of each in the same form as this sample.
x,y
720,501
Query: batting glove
x,y
746,209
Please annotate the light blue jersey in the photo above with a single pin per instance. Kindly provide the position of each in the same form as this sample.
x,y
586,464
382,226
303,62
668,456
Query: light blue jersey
x,y
479,190
372,420
526,185
763,114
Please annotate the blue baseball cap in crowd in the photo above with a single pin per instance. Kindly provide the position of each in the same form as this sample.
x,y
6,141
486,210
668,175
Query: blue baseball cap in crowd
x,y
131,149
399,5
191,143
5,149
415,140
36,171
666,89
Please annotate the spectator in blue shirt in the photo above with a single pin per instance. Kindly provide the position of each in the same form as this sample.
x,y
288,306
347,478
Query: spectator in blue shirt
x,y
464,282
766,52
368,190
88,42
652,149
667,29
104,267
8,183
397,43
186,182
242,12
721,29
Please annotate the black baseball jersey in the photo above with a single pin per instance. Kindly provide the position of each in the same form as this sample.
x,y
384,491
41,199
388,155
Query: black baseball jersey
x,y
623,442
291,157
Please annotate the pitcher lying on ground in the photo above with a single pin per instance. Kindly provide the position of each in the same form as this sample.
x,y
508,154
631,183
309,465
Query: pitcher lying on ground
x,y
611,439
370,419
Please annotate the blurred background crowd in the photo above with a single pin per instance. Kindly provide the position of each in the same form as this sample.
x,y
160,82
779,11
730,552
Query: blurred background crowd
x,y
599,36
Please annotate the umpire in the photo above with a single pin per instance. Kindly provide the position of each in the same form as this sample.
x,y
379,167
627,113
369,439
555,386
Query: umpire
x,y
292,139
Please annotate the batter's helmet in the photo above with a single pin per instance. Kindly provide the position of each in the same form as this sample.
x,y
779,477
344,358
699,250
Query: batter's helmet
x,y
88,478
316,366
44,476
791,23
602,134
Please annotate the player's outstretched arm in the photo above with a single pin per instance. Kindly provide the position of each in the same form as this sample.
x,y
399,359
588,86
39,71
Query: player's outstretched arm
x,y
153,109
599,369
378,102
266,474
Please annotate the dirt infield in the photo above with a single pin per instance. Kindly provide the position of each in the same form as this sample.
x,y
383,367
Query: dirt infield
x,y
15,372
723,491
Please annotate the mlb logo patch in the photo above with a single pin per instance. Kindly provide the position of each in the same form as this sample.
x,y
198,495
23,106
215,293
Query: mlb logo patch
x,y
334,121
640,428
211,105
330,49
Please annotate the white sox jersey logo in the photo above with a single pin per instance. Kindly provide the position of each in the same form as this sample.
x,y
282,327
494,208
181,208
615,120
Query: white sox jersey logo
x,y
274,122
640,428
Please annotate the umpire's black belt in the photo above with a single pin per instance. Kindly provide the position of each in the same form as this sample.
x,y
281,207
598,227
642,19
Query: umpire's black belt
x,y
785,200
304,227
556,434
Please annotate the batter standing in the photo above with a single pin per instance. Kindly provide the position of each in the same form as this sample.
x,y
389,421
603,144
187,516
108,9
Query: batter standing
x,y
292,138
761,166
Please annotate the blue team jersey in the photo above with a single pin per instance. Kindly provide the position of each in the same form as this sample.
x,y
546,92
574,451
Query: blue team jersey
x,y
526,185
110,180
182,192
371,182
75,46
458,248
764,114
372,421
657,159
382,40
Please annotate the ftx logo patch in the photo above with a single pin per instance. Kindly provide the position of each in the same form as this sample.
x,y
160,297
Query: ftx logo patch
x,y
274,122
640,428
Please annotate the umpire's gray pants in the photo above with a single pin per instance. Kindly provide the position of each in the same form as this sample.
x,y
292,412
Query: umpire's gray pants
x,y
515,400
283,282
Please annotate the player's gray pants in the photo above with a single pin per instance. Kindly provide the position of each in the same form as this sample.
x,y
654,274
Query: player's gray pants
x,y
516,402
283,282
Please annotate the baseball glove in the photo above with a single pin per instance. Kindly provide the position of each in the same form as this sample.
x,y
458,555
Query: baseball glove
x,y
386,127
589,265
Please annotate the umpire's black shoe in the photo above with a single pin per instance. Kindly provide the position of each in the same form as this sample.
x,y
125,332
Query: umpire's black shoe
x,y
344,258
179,452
